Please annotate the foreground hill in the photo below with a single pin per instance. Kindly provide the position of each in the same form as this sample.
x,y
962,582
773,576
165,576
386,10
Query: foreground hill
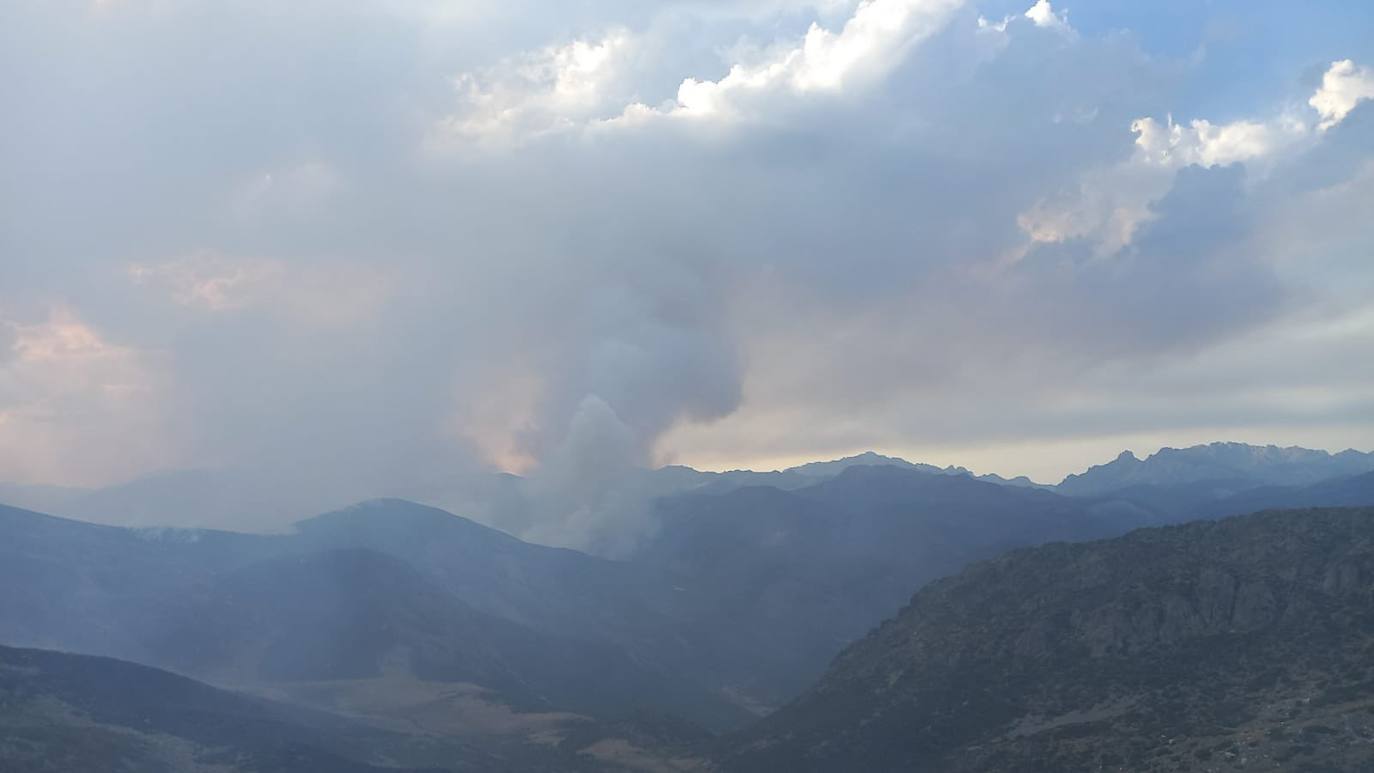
x,y
361,615
78,714
65,713
1246,643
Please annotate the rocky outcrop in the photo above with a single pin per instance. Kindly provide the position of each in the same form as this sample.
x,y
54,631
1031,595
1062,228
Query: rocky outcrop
x,y
1156,651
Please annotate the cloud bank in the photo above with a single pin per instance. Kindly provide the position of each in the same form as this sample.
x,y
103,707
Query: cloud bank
x,y
403,243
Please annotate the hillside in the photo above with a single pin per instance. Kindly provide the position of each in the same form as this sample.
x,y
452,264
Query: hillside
x,y
1247,642
358,614
78,714
411,590
799,574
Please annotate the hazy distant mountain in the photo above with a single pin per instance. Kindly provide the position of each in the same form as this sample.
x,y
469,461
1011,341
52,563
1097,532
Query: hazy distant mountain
x,y
873,459
185,498
49,499
866,459
1157,504
1230,464
101,589
1242,642
1352,491
272,500
389,585
556,591
797,574
360,614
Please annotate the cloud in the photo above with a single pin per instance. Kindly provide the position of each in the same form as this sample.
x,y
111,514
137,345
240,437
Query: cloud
x,y
1343,86
1205,144
548,90
397,247
869,45
570,87
314,296
1042,14
211,282
76,408
1110,203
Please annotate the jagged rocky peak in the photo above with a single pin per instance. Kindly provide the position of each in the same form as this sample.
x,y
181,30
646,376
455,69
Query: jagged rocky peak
x,y
1237,464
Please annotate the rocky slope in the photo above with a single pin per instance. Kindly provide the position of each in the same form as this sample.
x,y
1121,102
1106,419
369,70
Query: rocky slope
x,y
1241,644
799,574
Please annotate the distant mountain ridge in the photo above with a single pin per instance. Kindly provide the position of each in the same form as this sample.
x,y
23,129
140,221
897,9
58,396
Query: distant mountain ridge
x,y
832,468
1235,463
200,498
233,499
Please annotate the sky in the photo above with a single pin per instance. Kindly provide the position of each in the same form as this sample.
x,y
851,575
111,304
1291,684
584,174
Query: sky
x,y
368,247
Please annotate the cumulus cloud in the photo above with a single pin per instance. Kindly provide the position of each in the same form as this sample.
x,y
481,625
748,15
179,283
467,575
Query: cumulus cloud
x,y
1343,86
1042,14
1205,144
555,88
571,86
870,44
1111,202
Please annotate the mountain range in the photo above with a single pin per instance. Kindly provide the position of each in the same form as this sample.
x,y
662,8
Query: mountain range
x,y
1236,465
437,630
270,501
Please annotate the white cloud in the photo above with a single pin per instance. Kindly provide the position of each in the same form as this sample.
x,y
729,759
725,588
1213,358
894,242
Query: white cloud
x,y
871,44
1111,203
546,90
577,85
1043,15
1203,143
1343,87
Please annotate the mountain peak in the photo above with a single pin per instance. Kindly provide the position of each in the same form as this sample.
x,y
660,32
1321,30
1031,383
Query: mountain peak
x,y
865,459
1235,463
